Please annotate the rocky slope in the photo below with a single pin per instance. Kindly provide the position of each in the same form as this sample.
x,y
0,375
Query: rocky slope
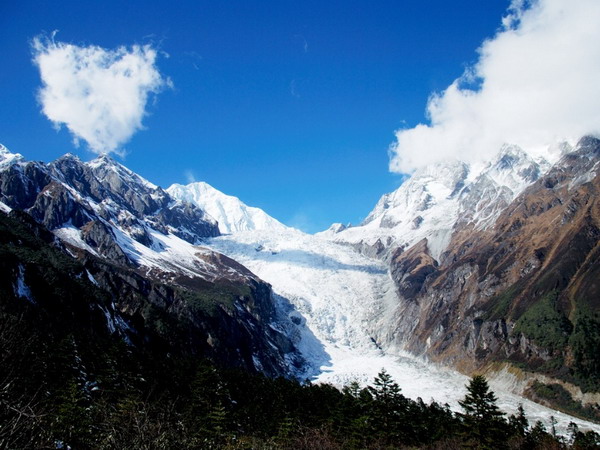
x,y
138,246
524,290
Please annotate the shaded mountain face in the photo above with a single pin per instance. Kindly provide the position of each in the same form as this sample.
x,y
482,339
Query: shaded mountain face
x,y
138,248
71,193
524,290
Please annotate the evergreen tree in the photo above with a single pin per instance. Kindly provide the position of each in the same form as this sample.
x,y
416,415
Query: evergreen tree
x,y
389,408
484,424
519,422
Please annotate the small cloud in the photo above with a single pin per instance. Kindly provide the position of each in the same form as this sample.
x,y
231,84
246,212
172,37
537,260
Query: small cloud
x,y
535,83
195,58
302,42
190,177
100,95
294,89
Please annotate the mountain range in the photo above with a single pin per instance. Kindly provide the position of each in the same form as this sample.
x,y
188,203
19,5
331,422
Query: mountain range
x,y
481,267
139,245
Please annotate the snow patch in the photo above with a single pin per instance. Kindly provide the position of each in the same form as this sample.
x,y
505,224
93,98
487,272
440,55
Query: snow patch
x,y
5,208
72,235
21,289
91,277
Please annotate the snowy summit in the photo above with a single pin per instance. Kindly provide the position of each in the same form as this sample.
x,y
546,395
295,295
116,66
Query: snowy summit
x,y
230,212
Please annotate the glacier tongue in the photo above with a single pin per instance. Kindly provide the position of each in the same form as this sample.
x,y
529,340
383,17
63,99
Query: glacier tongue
x,y
340,298
337,293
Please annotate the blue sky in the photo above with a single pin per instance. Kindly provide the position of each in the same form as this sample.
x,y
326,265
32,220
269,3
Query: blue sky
x,y
291,106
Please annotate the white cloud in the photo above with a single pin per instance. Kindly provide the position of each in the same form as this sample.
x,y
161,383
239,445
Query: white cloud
x,y
190,176
100,95
538,82
301,40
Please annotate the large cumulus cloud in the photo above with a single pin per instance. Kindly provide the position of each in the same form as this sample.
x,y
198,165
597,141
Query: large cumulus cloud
x,y
536,82
99,94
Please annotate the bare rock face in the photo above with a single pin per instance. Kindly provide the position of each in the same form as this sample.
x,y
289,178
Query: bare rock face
x,y
21,183
410,269
525,290
55,205
101,237
184,220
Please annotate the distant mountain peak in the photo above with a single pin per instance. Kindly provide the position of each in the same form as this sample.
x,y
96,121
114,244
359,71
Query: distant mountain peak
x,y
69,157
437,199
230,212
7,157
335,228
591,143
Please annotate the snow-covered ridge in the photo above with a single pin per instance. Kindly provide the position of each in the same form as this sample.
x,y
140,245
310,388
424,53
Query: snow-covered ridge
x,y
230,212
108,210
108,164
435,199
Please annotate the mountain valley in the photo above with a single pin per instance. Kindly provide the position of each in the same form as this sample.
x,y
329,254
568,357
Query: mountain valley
x,y
465,268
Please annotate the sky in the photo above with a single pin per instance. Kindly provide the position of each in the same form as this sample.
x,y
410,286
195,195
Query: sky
x,y
309,110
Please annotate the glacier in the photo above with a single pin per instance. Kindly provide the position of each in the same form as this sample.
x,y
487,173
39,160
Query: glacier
x,y
340,298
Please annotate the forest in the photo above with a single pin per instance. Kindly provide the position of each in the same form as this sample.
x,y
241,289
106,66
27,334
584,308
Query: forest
x,y
96,393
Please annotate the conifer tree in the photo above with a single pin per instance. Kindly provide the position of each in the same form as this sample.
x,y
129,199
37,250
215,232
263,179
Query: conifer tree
x,y
482,419
388,408
519,422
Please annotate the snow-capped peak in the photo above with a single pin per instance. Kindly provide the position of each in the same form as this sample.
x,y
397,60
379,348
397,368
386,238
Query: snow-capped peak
x,y
7,158
105,164
514,168
435,199
427,187
230,212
